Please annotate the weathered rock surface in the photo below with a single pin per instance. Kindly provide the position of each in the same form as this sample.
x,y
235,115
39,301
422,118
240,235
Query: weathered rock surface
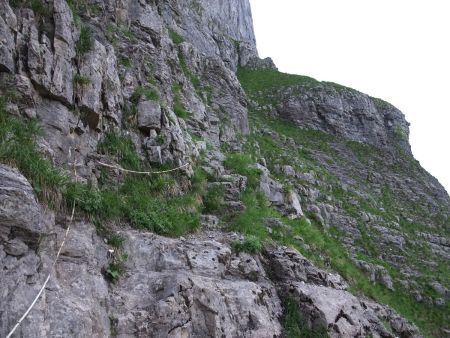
x,y
217,28
149,115
78,94
344,315
177,98
345,112
20,214
74,301
352,168
193,287
325,304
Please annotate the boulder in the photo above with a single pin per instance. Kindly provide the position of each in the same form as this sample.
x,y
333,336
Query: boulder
x,y
20,214
149,116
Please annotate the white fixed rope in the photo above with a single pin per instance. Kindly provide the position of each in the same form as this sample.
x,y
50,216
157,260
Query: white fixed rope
x,y
142,172
47,279
33,303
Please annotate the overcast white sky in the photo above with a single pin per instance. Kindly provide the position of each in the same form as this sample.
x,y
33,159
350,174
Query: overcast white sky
x,y
397,50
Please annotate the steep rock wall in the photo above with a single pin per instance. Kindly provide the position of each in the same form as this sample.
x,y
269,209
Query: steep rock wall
x,y
161,74
217,28
90,69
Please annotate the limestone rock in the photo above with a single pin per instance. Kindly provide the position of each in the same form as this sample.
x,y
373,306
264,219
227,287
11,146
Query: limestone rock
x,y
149,115
289,265
178,288
7,45
89,94
345,112
344,315
75,296
324,302
231,37
19,211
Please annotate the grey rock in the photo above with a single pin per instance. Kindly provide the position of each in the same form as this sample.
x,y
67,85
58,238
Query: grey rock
x,y
19,211
365,217
288,170
38,60
209,221
172,287
179,287
345,112
344,315
235,206
77,291
257,63
376,273
289,265
440,289
324,302
231,38
149,115
15,247
63,50
154,154
439,302
7,44
90,94
272,189
292,205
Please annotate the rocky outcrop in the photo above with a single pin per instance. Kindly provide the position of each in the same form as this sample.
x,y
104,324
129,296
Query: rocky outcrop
x,y
351,166
194,287
344,315
218,28
345,112
326,305
286,200
29,240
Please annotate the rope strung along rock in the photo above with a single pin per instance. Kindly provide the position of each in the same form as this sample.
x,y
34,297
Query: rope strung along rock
x,y
142,172
53,265
47,279
67,233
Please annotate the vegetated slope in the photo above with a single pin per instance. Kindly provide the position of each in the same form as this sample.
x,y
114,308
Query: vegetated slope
x,y
391,216
90,87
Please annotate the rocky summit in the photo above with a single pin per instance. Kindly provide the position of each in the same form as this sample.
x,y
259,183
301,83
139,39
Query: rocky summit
x,y
159,179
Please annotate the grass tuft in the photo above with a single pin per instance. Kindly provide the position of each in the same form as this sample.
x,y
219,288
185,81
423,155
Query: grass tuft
x,y
18,139
85,42
294,324
175,37
250,244
148,93
81,80
178,106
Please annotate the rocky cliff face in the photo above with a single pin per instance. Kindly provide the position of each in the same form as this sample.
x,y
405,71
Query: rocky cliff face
x,y
347,113
277,230
217,28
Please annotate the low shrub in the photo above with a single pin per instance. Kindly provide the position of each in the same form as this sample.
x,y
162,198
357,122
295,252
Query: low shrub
x,y
250,244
